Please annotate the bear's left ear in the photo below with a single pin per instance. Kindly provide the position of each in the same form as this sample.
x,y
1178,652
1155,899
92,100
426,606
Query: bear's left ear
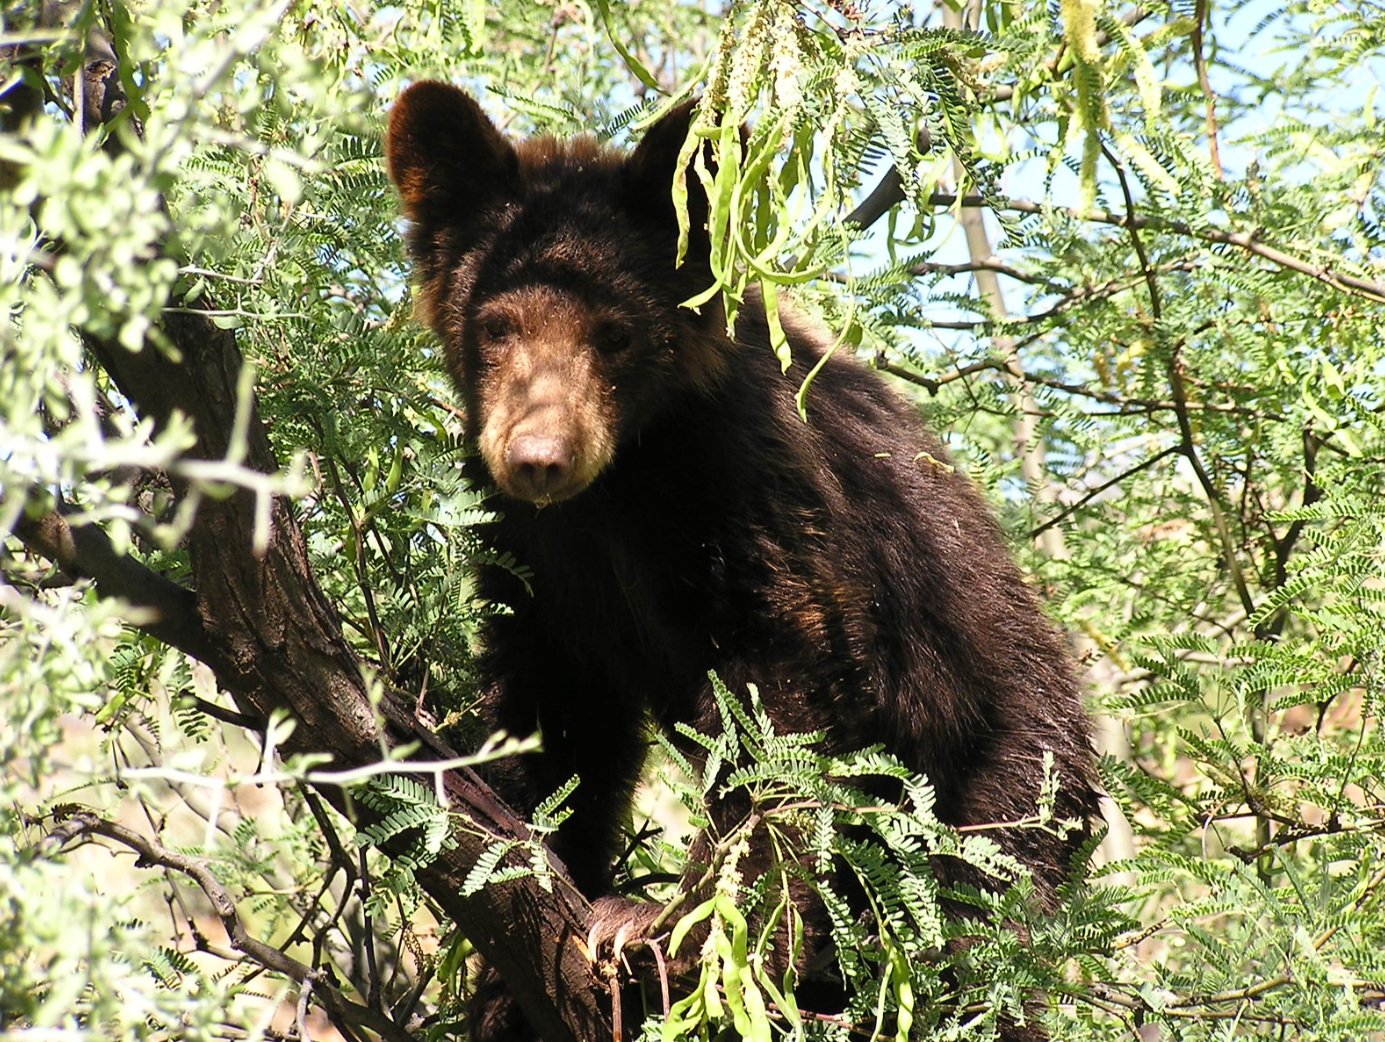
x,y
657,153
445,157
650,168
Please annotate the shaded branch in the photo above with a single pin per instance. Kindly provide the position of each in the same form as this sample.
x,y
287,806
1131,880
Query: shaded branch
x,y
275,642
1072,296
226,716
884,197
1146,269
1283,547
86,551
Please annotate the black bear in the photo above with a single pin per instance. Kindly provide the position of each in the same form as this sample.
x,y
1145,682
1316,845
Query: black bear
x,y
679,518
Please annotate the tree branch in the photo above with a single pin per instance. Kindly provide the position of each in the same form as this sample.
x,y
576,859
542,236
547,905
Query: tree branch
x,y
86,551
1146,269
261,622
338,1006
886,195
226,716
1148,405
1068,510
1205,84
985,264
880,202
1312,492
889,191
1188,447
276,643
1247,241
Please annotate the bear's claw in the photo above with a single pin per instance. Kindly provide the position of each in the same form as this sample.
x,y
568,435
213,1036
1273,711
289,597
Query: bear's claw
x,y
618,922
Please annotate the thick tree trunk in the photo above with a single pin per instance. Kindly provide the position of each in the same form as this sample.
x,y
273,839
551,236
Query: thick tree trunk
x,y
275,643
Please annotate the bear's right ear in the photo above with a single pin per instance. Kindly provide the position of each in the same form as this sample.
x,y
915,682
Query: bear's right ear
x,y
445,157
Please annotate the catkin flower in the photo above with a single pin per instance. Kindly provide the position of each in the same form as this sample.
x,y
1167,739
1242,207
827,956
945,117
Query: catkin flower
x,y
784,61
744,83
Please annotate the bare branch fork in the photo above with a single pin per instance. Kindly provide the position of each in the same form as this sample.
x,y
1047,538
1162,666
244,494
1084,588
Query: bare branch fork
x,y
150,852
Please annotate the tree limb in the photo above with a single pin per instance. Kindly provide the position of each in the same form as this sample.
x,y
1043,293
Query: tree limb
x,y
1149,461
886,195
86,551
259,619
1247,241
338,1006
1147,405
1205,84
881,201
276,643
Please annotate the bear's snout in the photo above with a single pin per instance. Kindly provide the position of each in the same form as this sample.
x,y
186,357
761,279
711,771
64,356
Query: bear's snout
x,y
542,449
540,467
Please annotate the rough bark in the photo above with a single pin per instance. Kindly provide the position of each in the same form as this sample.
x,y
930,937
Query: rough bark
x,y
275,642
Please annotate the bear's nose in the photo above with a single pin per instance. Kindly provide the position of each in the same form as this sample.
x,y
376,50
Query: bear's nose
x,y
540,466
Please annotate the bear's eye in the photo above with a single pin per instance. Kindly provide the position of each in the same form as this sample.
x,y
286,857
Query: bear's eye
x,y
612,337
497,327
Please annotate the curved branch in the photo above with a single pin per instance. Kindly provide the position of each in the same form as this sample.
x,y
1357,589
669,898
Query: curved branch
x,y
153,853
275,642
886,195
1247,241
991,263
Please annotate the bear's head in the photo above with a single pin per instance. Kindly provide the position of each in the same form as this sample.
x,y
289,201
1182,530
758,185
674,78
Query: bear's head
x,y
548,269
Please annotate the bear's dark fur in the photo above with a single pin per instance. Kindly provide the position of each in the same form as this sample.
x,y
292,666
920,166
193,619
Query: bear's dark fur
x,y
678,517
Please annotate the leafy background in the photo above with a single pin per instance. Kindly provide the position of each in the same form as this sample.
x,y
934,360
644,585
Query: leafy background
x,y
1133,271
